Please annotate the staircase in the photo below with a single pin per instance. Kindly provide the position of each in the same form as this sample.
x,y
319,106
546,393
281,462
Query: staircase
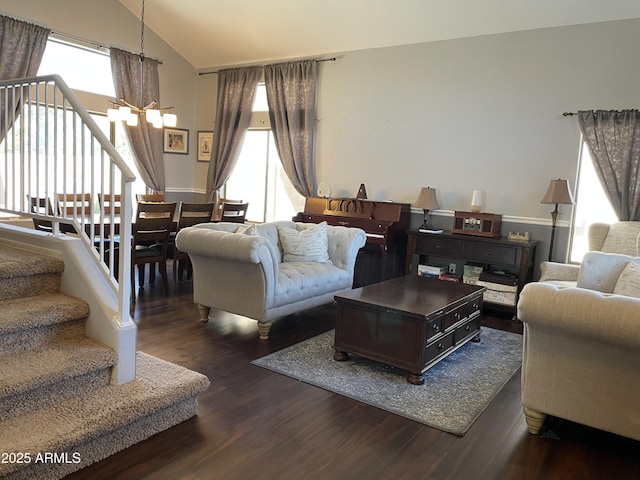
x,y
58,410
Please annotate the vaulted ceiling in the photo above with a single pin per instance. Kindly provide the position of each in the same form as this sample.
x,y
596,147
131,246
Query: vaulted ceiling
x,y
212,33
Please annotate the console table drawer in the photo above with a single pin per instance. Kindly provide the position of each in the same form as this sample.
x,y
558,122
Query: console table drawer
x,y
438,246
437,348
491,253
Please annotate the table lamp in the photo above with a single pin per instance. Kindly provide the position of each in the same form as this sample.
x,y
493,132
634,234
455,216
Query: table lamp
x,y
427,200
558,192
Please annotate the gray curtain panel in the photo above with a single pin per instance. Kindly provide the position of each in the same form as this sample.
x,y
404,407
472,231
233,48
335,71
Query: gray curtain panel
x,y
21,49
236,91
613,139
291,95
145,139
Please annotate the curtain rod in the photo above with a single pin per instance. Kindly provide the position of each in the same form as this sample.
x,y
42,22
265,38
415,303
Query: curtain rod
x,y
97,45
568,114
332,59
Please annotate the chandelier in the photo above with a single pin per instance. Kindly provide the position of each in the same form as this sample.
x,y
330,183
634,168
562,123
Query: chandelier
x,y
154,114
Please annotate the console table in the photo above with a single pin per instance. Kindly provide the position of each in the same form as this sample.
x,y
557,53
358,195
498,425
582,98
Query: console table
x,y
514,256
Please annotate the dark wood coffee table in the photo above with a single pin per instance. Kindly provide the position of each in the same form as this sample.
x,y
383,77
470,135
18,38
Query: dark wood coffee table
x,y
409,322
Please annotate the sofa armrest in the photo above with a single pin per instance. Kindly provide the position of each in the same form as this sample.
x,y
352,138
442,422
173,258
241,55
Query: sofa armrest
x,y
579,312
558,271
227,246
344,244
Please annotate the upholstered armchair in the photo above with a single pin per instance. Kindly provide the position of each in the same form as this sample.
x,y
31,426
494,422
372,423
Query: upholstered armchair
x,y
581,351
620,237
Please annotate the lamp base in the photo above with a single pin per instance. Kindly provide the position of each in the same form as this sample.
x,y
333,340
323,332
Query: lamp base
x,y
426,227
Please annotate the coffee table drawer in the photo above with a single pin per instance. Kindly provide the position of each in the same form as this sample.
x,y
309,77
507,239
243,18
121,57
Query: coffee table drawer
x,y
434,327
437,348
465,330
461,312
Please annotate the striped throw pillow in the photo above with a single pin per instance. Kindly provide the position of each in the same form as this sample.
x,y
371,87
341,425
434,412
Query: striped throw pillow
x,y
308,245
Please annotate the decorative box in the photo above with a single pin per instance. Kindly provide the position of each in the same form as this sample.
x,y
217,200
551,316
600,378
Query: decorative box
x,y
479,224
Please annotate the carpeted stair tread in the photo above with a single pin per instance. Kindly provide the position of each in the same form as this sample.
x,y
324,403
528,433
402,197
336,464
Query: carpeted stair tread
x,y
41,310
15,262
67,425
57,362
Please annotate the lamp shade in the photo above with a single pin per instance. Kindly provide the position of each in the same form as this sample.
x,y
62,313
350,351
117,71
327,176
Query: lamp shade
x,y
427,199
558,192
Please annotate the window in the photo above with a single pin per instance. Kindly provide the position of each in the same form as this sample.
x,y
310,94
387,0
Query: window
x,y
592,205
89,70
81,68
258,178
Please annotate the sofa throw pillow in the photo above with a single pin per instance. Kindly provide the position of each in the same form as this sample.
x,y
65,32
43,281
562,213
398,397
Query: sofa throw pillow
x,y
629,281
247,230
308,245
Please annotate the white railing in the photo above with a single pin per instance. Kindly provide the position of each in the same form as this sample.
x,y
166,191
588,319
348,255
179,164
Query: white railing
x,y
52,153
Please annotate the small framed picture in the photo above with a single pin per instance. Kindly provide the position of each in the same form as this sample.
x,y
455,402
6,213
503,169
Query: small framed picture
x,y
205,143
176,140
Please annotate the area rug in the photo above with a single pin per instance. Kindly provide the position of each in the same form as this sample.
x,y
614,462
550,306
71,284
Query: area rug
x,y
456,390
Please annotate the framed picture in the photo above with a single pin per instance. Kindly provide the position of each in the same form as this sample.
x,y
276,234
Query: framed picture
x,y
176,140
205,142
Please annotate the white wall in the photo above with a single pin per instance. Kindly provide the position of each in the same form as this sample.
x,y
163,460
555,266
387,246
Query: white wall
x,y
110,23
480,113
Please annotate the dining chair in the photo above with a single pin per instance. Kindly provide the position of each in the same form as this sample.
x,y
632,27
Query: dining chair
x,y
233,212
189,214
41,206
218,209
110,204
150,197
150,234
74,205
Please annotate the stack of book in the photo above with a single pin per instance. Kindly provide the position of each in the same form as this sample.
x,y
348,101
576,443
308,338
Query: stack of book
x,y
431,271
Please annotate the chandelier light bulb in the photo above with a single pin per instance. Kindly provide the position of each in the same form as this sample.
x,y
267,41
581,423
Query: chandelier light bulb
x,y
170,119
152,114
124,113
157,122
113,114
132,120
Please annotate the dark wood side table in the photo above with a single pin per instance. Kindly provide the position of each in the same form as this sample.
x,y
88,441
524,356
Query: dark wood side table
x,y
510,255
409,322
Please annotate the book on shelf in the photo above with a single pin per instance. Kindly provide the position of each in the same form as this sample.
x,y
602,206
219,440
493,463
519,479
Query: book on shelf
x,y
432,269
450,277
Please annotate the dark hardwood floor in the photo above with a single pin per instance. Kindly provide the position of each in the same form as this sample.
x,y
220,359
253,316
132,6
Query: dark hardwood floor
x,y
256,424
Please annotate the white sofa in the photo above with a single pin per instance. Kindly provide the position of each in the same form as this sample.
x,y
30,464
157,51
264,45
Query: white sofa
x,y
581,355
245,273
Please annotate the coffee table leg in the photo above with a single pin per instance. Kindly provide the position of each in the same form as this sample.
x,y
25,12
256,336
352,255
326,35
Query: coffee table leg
x,y
415,379
340,356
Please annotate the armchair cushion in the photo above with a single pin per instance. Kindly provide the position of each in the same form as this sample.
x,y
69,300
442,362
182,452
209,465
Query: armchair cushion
x,y
629,281
600,271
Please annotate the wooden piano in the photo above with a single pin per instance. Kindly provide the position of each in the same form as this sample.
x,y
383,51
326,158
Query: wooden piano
x,y
385,224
